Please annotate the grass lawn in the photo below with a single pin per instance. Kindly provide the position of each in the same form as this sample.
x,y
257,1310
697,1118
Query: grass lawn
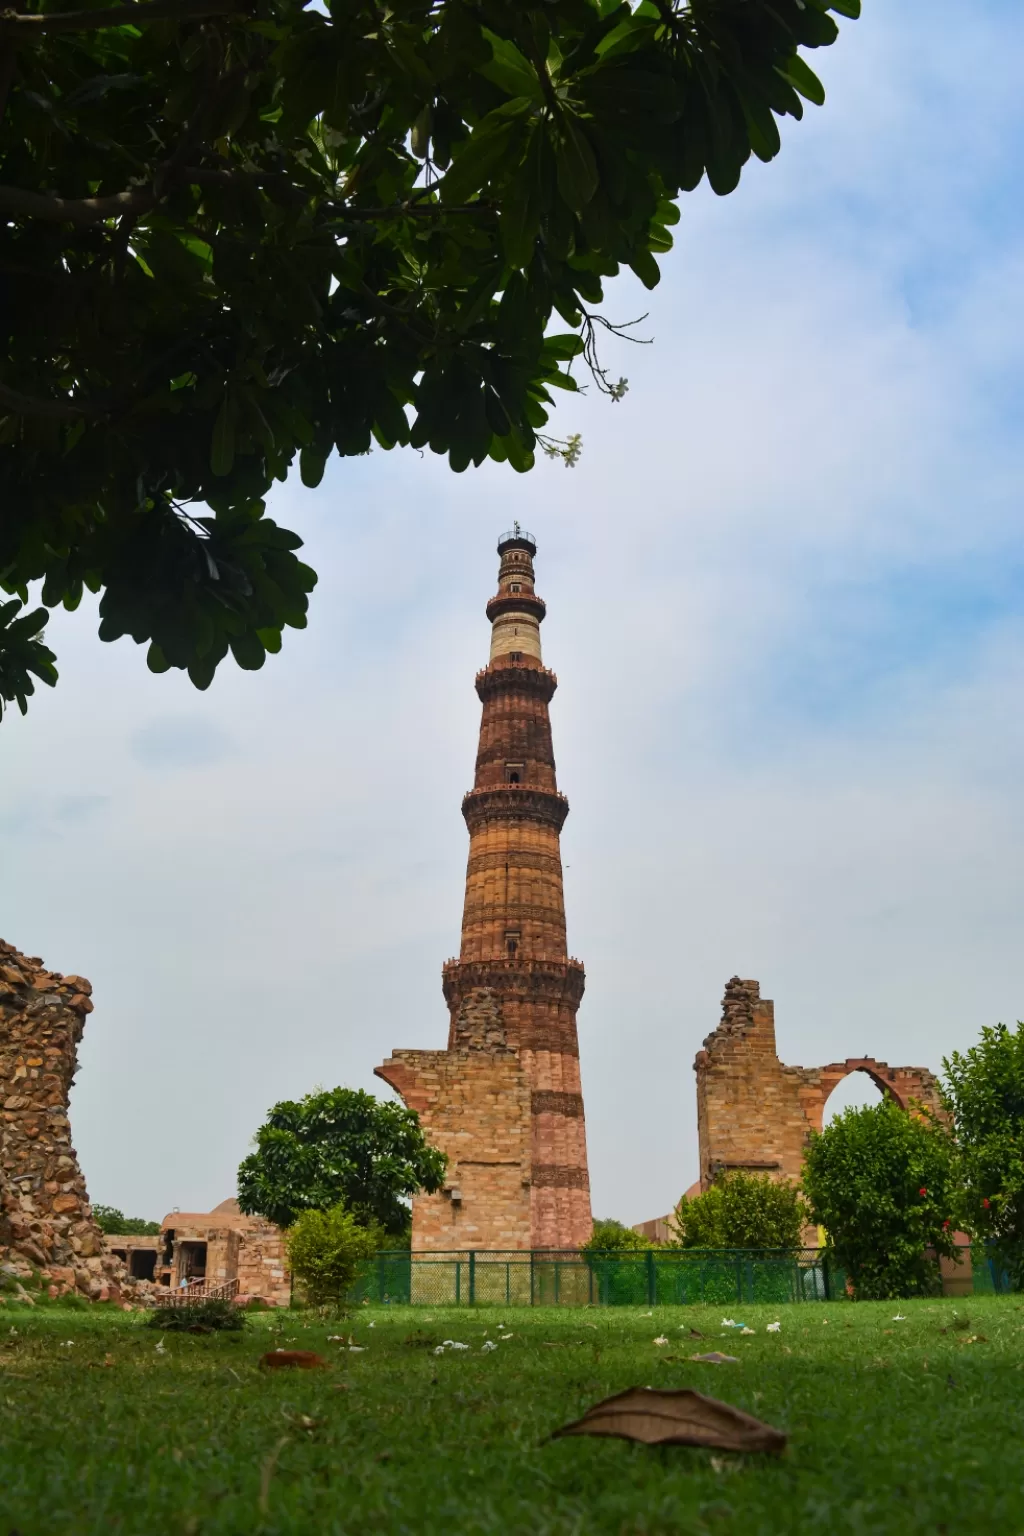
x,y
895,1426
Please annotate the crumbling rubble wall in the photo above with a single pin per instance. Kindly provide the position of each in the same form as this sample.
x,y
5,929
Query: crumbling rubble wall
x,y
46,1222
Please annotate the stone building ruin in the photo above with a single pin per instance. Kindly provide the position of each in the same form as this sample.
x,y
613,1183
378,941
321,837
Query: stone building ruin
x,y
753,1112
504,1100
46,1222
220,1250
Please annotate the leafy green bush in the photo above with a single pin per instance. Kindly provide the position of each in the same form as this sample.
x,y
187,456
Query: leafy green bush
x,y
210,1314
116,1224
325,1249
884,1185
612,1235
742,1210
983,1089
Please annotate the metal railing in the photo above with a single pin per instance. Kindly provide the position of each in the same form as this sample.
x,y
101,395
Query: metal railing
x,y
196,1290
630,1277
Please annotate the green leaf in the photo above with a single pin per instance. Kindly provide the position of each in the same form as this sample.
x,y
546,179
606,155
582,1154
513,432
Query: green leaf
x,y
577,168
311,465
492,140
248,650
849,8
511,70
803,79
563,347
222,445
646,269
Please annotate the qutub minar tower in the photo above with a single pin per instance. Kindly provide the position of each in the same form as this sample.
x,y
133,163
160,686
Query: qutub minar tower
x,y
504,1100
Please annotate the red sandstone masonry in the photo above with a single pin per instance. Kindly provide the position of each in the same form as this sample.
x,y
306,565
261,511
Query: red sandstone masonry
x,y
505,1101
753,1112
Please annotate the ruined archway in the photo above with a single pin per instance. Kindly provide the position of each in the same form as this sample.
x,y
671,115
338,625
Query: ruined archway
x,y
754,1112
857,1090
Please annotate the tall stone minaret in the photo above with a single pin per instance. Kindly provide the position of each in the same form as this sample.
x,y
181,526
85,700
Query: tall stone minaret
x,y
513,992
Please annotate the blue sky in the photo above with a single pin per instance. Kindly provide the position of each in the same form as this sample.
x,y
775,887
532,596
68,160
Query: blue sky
x,y
785,607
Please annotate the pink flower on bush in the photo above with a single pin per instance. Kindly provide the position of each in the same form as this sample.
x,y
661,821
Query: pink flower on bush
x,y
922,1191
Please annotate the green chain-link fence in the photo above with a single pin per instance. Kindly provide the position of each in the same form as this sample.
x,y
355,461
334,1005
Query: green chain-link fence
x,y
548,1277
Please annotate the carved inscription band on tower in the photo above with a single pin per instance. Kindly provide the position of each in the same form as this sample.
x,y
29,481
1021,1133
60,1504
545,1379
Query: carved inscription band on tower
x,y
504,1101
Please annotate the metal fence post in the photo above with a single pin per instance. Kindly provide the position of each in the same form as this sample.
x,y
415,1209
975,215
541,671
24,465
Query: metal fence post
x,y
472,1276
652,1279
826,1278
458,1281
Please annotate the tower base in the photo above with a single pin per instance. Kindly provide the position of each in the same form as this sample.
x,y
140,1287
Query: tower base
x,y
516,1178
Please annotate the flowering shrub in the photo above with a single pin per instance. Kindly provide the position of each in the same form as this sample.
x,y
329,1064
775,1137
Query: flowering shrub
x,y
883,1184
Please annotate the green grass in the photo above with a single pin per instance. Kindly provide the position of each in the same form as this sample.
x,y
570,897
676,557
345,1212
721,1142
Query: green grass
x,y
895,1426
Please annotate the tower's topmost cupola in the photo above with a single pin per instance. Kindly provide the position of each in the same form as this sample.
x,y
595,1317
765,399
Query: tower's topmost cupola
x,y
515,611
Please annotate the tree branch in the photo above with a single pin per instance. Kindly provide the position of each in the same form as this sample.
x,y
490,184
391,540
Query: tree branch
x,y
53,410
18,26
76,210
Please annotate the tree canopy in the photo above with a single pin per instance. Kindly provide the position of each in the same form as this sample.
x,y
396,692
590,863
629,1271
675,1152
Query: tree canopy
x,y
983,1090
237,232
115,1223
339,1146
613,1236
742,1210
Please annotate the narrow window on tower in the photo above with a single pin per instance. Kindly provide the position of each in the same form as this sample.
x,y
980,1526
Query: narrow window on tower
x,y
513,773
515,655
515,587
511,942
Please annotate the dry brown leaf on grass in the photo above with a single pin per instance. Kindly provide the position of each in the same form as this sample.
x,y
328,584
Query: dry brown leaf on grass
x,y
682,1417
303,1359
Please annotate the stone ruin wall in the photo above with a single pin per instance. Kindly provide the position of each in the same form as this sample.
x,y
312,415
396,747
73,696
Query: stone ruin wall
x,y
474,1104
46,1222
753,1112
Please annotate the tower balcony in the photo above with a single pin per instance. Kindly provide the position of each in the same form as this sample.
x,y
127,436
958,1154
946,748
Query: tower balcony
x,y
527,676
555,981
515,802
516,602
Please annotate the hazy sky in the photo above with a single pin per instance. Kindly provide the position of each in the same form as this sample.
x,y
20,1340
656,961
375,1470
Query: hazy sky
x,y
785,608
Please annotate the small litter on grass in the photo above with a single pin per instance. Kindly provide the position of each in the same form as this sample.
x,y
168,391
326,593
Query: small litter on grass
x,y
661,1339
774,1328
681,1417
161,1348
336,1338
899,1318
357,1349
488,1344
299,1359
371,1325
716,1358
449,1344
747,1330
648,1314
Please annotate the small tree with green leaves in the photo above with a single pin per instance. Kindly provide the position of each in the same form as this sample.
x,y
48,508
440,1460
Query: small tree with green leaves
x,y
742,1210
612,1236
983,1090
325,1250
884,1185
116,1224
339,1145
